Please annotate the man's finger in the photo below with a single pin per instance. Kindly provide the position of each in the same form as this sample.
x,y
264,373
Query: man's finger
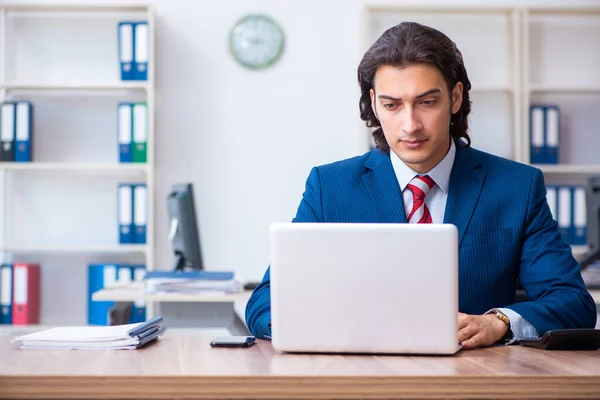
x,y
467,332
473,342
463,320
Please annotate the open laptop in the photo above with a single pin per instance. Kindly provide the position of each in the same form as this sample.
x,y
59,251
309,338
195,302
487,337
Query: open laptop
x,y
364,288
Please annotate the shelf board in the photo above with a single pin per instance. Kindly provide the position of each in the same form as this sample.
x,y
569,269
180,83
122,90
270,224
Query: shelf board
x,y
569,168
74,8
564,89
70,87
127,168
428,9
563,11
491,89
106,249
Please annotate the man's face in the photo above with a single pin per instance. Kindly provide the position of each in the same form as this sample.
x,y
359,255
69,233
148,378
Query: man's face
x,y
414,107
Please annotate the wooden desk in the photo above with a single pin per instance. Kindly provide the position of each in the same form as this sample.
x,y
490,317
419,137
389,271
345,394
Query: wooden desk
x,y
185,367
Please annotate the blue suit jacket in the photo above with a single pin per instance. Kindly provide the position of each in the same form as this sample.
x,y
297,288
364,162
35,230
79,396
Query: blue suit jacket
x,y
506,233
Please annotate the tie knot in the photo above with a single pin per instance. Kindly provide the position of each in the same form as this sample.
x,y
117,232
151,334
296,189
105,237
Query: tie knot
x,y
421,185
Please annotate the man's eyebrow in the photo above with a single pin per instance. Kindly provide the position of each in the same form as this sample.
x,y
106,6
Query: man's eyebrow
x,y
426,93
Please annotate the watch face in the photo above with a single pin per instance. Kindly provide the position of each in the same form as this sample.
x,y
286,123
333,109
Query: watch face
x,y
256,41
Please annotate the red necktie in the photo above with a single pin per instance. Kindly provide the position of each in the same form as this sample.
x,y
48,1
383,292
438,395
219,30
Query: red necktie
x,y
420,186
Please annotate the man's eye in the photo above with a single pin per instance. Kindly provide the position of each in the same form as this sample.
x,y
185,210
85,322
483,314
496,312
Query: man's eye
x,y
389,106
428,102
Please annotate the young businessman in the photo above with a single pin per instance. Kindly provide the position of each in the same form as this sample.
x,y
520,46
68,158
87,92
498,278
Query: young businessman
x,y
415,91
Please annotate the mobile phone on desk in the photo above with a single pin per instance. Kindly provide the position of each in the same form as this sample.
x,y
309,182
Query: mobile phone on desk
x,y
233,341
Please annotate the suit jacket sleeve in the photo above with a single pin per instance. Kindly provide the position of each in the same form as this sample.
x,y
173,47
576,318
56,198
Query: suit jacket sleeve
x,y
548,272
258,309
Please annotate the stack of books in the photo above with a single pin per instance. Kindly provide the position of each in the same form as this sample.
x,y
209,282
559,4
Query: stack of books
x,y
118,337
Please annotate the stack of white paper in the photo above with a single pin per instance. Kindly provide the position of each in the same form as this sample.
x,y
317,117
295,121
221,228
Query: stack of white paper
x,y
119,337
190,286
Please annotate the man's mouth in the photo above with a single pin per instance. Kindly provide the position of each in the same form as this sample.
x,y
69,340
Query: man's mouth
x,y
413,143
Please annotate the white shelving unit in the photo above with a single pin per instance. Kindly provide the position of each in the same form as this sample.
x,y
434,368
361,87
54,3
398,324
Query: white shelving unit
x,y
551,77
74,86
522,67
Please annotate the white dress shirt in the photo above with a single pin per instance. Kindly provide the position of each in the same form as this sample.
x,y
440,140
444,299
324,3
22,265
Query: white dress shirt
x,y
436,203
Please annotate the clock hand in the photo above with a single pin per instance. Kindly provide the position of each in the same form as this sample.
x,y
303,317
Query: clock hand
x,y
256,40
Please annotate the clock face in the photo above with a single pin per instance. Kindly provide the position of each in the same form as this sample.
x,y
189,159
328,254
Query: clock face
x,y
256,41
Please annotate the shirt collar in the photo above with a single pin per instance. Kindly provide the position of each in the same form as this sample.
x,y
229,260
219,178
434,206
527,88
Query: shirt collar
x,y
440,173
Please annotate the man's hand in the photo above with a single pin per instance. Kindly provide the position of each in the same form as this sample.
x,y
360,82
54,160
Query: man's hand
x,y
479,330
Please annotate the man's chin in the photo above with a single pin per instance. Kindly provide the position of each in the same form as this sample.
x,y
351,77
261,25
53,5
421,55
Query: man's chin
x,y
413,157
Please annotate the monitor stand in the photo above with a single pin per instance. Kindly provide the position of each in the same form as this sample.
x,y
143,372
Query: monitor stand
x,y
179,262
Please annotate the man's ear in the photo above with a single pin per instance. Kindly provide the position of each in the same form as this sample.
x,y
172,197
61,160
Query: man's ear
x,y
373,107
457,97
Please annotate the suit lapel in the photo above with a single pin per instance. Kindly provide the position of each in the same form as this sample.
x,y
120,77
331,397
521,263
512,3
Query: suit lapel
x,y
382,185
466,182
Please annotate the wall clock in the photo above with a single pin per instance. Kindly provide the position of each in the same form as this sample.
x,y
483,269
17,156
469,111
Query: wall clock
x,y
256,41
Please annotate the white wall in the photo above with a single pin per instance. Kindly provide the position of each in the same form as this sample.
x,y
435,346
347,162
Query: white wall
x,y
247,140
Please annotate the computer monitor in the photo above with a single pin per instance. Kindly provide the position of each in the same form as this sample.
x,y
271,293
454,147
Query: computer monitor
x,y
183,228
593,222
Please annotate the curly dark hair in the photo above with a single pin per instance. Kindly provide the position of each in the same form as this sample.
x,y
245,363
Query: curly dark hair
x,y
411,43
